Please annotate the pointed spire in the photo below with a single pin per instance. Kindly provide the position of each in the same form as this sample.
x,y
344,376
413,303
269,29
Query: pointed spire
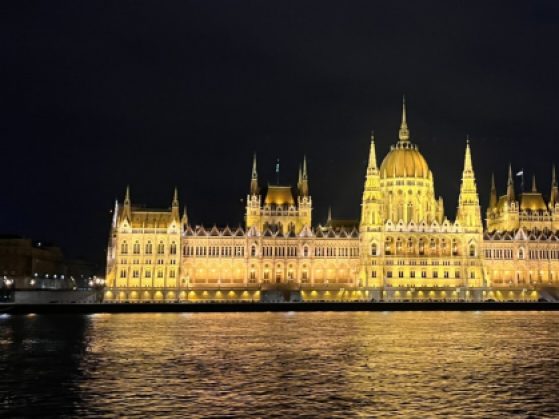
x,y
554,198
127,195
175,198
510,186
468,157
534,189
254,171
184,218
372,153
404,134
304,185
329,215
254,189
127,206
493,196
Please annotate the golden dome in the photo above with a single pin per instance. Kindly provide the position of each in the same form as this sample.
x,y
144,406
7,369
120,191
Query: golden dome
x,y
404,160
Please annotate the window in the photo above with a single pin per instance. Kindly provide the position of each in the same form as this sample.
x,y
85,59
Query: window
x,y
124,248
423,274
389,274
374,249
253,251
149,248
412,274
472,250
173,250
171,274
160,274
457,274
135,274
521,254
306,251
148,274
446,274
136,249
123,273
400,274
160,248
435,274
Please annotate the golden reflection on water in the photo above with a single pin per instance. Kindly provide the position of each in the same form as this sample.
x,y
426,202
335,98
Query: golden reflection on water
x,y
481,364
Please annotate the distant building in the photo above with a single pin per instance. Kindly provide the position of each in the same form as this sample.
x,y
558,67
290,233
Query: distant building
x,y
36,264
402,248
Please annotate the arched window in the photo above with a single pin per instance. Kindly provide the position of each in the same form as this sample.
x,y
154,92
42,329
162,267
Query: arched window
x,y
253,250
124,248
374,249
160,248
421,247
520,253
136,248
149,248
173,250
472,250
306,251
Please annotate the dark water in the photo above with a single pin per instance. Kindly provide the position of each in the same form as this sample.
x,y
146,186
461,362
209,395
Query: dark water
x,y
281,364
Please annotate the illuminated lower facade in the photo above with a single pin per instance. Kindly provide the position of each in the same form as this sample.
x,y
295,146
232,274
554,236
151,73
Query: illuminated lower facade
x,y
403,248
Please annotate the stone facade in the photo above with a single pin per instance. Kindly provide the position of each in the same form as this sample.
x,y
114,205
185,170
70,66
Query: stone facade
x,y
402,248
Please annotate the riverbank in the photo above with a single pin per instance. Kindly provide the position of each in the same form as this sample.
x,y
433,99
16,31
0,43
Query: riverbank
x,y
277,307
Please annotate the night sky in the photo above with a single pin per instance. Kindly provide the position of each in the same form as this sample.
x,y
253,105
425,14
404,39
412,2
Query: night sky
x,y
97,95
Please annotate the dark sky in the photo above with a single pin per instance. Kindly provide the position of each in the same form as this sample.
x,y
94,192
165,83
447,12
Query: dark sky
x,y
97,95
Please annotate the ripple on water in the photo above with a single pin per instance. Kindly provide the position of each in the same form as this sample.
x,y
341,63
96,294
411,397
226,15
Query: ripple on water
x,y
481,364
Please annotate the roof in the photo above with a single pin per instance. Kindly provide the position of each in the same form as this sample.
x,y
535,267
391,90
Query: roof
x,y
404,160
532,201
279,195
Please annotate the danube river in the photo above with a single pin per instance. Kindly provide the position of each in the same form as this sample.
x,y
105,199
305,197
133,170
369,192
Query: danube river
x,y
460,364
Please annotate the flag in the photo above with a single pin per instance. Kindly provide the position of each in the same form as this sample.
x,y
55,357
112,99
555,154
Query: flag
x,y
520,173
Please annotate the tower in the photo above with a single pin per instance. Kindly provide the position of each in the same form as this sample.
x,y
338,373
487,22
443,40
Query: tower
x,y
252,215
371,223
175,206
469,213
127,206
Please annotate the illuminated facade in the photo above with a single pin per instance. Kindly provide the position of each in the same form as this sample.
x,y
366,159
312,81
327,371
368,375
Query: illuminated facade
x,y
402,248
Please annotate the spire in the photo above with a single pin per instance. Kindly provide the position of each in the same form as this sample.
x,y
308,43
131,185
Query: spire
x,y
329,220
127,195
184,219
254,189
404,134
493,196
304,185
534,189
468,168
510,186
554,198
127,206
373,153
175,205
175,198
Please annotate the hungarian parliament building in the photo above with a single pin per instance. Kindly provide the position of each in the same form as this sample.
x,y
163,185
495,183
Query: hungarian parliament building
x,y
403,248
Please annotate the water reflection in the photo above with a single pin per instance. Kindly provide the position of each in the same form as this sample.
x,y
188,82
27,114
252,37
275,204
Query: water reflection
x,y
260,364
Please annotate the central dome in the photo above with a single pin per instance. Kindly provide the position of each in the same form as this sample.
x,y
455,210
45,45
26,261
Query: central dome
x,y
404,160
